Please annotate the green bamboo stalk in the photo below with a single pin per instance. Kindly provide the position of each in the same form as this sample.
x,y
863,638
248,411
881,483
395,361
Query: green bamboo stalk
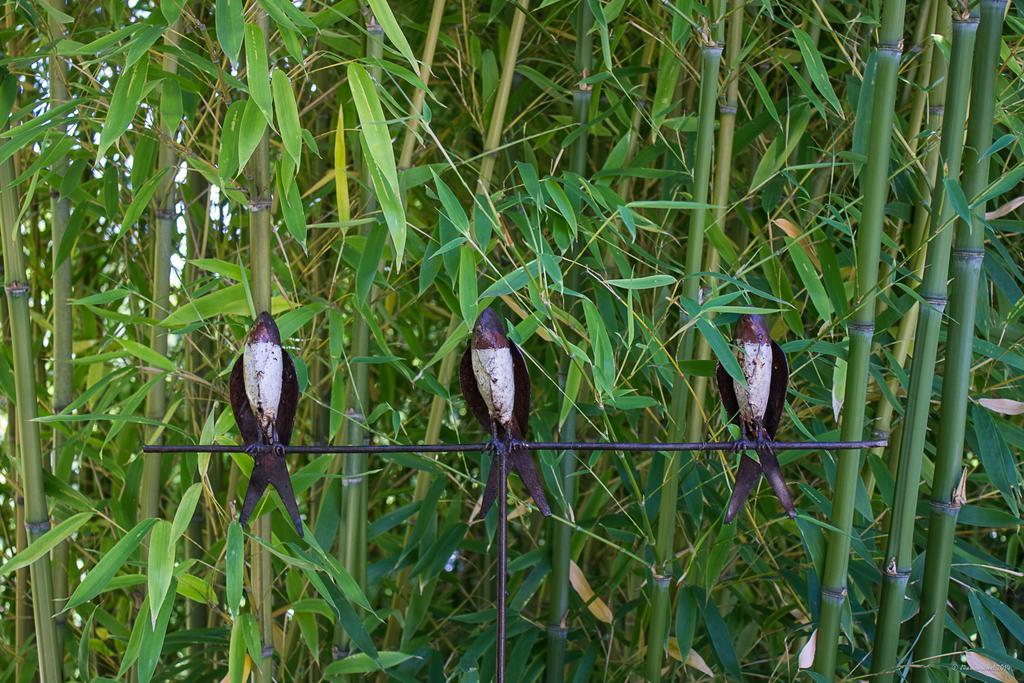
x,y
37,516
711,57
967,258
163,236
874,182
560,533
720,194
921,45
63,389
930,71
355,491
260,233
419,96
497,125
899,552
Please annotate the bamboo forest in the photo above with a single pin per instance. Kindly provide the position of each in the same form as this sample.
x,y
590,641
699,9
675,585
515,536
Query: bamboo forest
x,y
533,340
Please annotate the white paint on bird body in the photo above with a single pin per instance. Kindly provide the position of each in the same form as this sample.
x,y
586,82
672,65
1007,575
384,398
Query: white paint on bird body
x,y
495,377
263,370
756,360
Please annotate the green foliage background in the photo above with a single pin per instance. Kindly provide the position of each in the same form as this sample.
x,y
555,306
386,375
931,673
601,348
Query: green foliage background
x,y
572,222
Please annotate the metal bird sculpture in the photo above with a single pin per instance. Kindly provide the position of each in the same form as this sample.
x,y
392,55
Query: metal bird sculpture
x,y
264,393
496,385
756,409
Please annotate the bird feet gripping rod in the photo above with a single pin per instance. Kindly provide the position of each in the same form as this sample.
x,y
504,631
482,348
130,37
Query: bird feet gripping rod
x,y
495,383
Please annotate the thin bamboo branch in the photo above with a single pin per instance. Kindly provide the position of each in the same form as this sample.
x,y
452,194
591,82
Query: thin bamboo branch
x,y
497,124
874,181
419,96
967,258
899,552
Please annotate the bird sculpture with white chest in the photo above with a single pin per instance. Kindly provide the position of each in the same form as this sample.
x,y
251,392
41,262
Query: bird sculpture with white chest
x,y
263,367
495,377
757,370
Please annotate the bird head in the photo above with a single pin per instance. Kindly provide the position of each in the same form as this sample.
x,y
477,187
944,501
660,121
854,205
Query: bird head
x,y
265,330
751,329
489,331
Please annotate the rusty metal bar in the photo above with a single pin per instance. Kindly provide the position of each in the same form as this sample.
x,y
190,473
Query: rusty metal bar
x,y
502,464
638,447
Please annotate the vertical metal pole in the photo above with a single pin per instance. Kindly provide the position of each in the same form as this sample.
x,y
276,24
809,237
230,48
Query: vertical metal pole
x,y
502,462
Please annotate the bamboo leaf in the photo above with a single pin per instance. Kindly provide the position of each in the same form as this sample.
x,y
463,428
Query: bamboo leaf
x,y
237,657
186,508
227,161
253,126
341,169
233,562
648,282
45,543
467,285
171,9
995,456
360,663
230,28
257,74
604,357
817,69
986,666
597,606
160,566
124,101
386,19
147,355
96,581
151,637
1003,406
287,116
377,141
811,279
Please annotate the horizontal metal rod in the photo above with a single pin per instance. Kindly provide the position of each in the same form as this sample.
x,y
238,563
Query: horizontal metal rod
x,y
531,446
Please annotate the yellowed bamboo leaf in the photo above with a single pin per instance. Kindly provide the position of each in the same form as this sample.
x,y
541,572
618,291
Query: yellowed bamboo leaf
x,y
695,661
1006,208
596,605
793,230
806,658
673,650
985,666
1004,406
246,670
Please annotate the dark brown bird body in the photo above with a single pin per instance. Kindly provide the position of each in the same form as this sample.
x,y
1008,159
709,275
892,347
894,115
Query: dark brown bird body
x,y
756,408
496,385
264,395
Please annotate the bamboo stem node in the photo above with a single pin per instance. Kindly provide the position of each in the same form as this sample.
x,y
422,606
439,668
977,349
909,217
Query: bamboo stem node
x,y
861,327
968,256
37,528
834,595
941,507
16,288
